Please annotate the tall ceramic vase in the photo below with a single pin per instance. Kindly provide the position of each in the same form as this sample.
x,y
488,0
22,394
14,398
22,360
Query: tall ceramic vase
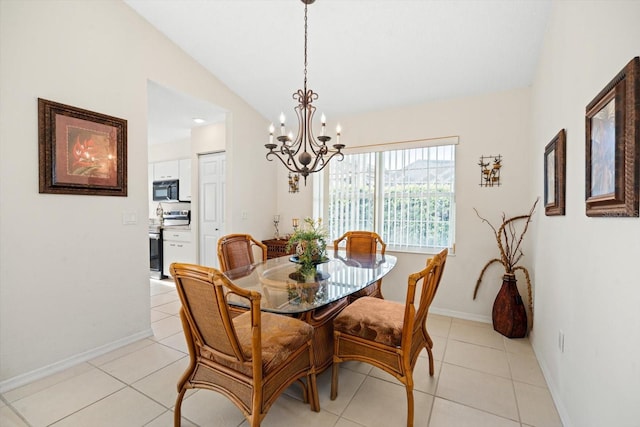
x,y
509,313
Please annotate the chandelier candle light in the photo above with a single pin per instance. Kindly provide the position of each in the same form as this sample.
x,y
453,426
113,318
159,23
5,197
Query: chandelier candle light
x,y
307,153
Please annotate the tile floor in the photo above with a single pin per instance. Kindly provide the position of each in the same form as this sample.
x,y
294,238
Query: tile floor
x,y
482,379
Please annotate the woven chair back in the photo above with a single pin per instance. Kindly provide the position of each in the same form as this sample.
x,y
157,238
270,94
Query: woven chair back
x,y
236,250
429,280
361,242
202,293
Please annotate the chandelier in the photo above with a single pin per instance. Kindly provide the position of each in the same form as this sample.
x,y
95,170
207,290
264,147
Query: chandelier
x,y
306,154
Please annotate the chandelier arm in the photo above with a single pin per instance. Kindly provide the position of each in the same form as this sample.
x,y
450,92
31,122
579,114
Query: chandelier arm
x,y
288,150
295,167
324,162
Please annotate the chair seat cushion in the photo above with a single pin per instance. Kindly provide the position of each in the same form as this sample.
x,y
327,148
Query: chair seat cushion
x,y
373,319
281,336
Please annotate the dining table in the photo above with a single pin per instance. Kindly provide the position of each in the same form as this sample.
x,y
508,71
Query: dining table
x,y
317,300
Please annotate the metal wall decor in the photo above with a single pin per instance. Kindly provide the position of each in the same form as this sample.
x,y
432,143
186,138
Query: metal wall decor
x,y
294,182
307,153
490,170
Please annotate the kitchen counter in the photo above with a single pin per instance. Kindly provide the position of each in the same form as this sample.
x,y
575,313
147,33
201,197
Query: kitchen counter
x,y
176,227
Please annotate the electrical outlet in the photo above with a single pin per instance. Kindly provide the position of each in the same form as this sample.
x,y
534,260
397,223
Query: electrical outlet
x,y
244,215
561,341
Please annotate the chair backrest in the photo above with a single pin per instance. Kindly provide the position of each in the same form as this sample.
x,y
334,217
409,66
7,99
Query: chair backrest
x,y
360,242
415,318
236,250
202,291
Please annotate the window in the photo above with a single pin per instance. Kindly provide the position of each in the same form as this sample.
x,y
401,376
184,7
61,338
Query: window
x,y
405,194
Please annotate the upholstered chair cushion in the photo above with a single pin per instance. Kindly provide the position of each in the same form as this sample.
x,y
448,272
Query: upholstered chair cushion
x,y
281,336
373,319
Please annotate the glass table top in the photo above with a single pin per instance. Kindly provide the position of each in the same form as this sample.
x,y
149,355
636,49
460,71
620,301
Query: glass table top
x,y
283,291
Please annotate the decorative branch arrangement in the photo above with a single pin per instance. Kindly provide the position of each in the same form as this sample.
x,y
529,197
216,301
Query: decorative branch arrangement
x,y
509,240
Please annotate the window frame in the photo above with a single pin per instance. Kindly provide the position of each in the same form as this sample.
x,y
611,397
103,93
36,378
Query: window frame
x,y
321,190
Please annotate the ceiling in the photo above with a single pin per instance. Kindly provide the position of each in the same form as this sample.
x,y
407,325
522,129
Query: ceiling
x,y
363,55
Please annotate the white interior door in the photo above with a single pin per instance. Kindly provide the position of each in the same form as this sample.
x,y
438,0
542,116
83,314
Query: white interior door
x,y
211,198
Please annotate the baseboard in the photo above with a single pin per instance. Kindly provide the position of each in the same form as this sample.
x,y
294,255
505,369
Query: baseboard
x,y
54,368
553,389
460,315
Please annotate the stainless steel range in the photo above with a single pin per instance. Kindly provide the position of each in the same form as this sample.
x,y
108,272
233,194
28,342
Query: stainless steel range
x,y
170,219
155,252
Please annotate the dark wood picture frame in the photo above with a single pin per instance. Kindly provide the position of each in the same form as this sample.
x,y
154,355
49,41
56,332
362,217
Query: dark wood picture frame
x,y
80,151
613,146
555,161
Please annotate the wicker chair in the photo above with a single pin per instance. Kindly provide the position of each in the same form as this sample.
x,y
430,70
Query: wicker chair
x,y
250,359
236,250
388,334
361,247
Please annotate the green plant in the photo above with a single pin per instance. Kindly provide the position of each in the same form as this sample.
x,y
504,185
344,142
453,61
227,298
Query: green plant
x,y
311,246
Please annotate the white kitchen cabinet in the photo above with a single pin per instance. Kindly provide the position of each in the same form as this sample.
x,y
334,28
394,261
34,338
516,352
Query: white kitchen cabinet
x,y
185,180
177,246
166,170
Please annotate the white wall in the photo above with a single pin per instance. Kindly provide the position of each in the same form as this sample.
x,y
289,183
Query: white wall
x,y
587,282
486,125
73,279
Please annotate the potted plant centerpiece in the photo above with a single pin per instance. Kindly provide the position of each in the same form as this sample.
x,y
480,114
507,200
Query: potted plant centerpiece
x,y
310,245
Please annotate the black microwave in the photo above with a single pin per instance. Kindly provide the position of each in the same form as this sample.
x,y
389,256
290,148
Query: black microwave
x,y
166,191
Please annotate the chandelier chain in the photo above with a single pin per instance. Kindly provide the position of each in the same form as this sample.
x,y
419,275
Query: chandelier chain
x,y
305,47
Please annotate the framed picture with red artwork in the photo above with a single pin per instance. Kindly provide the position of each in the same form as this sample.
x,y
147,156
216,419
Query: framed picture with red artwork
x,y
81,151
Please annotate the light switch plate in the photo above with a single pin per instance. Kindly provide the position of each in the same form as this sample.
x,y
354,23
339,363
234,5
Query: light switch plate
x,y
129,218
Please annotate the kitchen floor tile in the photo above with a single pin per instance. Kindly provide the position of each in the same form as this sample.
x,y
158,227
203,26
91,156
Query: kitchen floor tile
x,y
58,401
36,386
422,381
141,363
438,326
172,308
8,418
158,315
536,405
211,409
125,408
120,352
288,412
177,341
518,346
446,413
166,420
476,333
161,385
348,384
480,358
379,403
164,298
164,328
479,390
525,368
342,422
160,287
